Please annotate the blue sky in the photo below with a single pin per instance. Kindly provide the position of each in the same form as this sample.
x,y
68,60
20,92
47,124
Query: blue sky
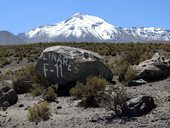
x,y
23,15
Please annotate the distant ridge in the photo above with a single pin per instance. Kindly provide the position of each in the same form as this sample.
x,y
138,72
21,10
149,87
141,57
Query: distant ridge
x,y
7,38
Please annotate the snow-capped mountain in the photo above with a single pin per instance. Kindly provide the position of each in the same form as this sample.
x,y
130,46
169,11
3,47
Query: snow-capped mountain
x,y
86,28
7,38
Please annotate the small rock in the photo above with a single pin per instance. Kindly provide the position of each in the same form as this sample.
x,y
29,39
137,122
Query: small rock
x,y
59,107
153,112
27,108
4,116
20,105
86,55
56,101
168,98
95,119
74,98
136,82
92,119
113,82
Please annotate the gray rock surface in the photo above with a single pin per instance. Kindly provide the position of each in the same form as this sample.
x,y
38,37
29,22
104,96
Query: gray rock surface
x,y
63,64
8,95
136,82
158,67
138,106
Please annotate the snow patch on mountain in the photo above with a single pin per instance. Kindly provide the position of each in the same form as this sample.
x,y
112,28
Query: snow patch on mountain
x,y
86,28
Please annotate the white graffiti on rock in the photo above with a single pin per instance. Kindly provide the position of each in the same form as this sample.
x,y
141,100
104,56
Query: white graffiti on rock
x,y
57,64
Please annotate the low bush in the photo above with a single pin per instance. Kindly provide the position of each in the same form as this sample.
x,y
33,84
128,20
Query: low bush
x,y
5,62
50,95
130,74
91,88
77,91
39,112
24,78
37,91
119,67
89,91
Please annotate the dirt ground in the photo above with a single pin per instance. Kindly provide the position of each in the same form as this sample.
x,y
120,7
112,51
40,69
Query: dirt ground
x,y
66,114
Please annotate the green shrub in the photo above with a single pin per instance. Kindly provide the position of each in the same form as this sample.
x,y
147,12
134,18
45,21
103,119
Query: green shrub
x,y
6,62
90,89
50,95
37,91
77,90
22,81
39,112
130,74
25,77
119,67
39,80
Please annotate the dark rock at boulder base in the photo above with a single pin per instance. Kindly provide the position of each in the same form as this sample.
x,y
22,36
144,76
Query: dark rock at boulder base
x,y
22,85
136,82
138,106
64,65
89,102
156,68
8,96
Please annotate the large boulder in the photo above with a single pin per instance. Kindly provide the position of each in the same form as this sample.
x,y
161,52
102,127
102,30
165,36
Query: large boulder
x,y
138,106
158,67
62,65
8,96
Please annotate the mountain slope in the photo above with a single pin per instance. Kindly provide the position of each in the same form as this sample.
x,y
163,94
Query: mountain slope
x,y
9,38
86,28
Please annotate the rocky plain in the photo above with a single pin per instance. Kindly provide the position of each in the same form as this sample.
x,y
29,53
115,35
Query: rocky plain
x,y
146,87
